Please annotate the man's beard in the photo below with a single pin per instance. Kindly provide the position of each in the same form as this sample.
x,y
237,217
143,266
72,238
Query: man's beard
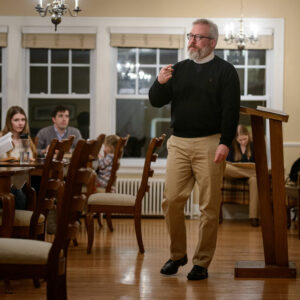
x,y
198,54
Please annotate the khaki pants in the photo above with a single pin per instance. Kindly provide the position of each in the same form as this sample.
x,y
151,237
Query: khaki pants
x,y
190,160
240,172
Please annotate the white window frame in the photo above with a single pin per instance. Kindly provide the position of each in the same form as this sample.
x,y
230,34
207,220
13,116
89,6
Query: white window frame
x,y
130,165
69,95
49,95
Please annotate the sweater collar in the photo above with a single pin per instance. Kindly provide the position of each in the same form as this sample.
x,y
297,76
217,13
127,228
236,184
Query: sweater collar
x,y
205,59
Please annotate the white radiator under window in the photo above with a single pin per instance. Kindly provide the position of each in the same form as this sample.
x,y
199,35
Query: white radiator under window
x,y
151,205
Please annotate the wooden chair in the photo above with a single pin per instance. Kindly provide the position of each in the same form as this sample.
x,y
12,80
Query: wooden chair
x,y
120,203
292,192
31,224
24,258
89,189
94,156
118,153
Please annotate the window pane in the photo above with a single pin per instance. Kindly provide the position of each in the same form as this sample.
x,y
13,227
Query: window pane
x,y
143,122
59,80
168,56
0,55
256,57
126,55
219,53
39,113
38,80
80,56
256,82
81,80
59,56
241,74
39,55
236,57
146,78
126,79
147,56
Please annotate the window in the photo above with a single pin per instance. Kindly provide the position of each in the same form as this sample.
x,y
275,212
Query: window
x,y
251,66
59,77
137,68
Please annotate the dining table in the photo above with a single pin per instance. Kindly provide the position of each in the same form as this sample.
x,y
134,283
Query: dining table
x,y
35,165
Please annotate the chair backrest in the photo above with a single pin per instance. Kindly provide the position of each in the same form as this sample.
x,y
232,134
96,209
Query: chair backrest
x,y
94,156
151,156
119,150
72,201
51,186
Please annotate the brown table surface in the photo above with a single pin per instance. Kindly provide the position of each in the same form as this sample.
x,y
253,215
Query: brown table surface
x,y
38,163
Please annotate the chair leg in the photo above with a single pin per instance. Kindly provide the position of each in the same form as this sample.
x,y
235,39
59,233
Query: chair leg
x,y
90,232
36,282
7,287
75,242
58,289
98,217
288,213
108,221
138,232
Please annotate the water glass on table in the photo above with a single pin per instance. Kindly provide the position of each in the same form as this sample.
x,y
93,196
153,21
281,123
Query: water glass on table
x,y
24,151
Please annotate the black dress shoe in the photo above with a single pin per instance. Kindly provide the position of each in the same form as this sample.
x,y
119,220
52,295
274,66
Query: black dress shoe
x,y
171,266
197,273
255,222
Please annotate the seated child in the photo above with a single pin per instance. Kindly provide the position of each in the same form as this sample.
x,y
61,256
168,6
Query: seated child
x,y
105,163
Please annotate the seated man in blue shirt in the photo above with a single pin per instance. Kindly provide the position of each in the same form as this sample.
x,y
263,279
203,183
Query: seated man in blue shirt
x,y
59,130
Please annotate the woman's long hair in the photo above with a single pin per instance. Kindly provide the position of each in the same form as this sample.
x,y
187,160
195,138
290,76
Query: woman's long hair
x,y
8,126
241,130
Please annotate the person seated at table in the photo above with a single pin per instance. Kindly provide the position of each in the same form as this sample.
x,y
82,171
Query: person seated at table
x,y
105,162
16,122
241,151
59,130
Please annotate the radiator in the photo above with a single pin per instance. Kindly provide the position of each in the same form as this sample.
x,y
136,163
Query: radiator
x,y
151,204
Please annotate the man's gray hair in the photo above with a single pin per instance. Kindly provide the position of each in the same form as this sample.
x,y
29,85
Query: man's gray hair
x,y
213,28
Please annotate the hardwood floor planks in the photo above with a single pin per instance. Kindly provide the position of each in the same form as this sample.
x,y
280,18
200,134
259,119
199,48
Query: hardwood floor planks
x,y
115,269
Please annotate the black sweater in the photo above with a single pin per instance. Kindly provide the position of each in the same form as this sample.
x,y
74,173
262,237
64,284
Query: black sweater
x,y
205,99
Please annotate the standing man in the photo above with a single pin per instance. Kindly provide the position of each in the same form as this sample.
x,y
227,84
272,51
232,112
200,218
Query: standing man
x,y
204,93
59,130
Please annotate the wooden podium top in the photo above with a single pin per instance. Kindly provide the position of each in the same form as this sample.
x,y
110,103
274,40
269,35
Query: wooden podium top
x,y
265,113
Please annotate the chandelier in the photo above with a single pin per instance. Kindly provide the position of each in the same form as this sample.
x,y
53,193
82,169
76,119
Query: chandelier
x,y
240,37
57,9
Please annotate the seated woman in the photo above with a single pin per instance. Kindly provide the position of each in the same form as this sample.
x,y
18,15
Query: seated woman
x,y
16,123
241,151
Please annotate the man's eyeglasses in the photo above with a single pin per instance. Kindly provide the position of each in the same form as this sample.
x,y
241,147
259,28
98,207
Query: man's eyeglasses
x,y
197,37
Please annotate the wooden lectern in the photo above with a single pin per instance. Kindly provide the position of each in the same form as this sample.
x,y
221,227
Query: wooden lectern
x,y
273,209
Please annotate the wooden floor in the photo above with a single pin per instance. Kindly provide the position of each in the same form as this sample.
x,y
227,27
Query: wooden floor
x,y
115,269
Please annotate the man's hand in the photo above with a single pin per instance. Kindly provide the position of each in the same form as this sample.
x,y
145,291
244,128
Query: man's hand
x,y
221,153
165,74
